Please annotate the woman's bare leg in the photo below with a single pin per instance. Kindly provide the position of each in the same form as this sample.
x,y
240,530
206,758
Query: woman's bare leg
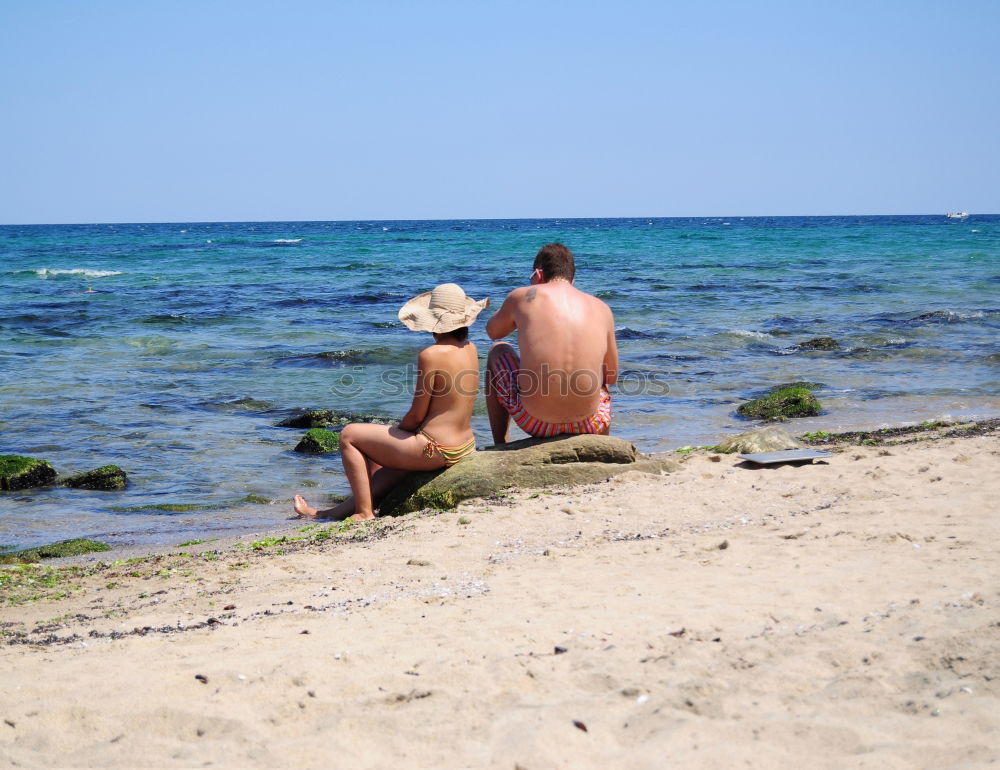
x,y
363,447
356,470
390,447
341,510
383,480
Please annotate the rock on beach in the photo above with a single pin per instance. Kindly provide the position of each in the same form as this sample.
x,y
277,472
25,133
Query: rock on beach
x,y
328,418
105,478
768,439
19,472
780,404
527,464
318,441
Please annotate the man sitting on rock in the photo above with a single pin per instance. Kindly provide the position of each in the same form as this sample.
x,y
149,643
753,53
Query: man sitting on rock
x,y
568,359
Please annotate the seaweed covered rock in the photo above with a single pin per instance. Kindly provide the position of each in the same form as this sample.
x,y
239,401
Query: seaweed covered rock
x,y
807,384
768,439
318,441
820,343
106,478
327,418
780,404
74,547
526,464
19,472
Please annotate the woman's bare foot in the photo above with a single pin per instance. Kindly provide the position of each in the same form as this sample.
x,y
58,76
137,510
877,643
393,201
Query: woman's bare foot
x,y
362,517
302,508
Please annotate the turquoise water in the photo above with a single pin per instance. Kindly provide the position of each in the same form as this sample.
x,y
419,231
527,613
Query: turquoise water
x,y
173,349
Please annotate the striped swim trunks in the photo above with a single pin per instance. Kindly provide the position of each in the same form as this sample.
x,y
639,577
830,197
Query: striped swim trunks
x,y
504,378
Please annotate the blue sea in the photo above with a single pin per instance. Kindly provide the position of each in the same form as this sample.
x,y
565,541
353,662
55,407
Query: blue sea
x,y
173,350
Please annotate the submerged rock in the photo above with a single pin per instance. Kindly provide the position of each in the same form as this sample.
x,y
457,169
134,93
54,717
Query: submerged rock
x,y
107,477
73,547
781,403
819,343
528,464
19,472
318,441
807,384
244,404
326,418
767,439
336,357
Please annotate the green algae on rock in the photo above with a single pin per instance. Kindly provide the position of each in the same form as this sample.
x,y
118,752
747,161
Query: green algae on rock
x,y
19,472
167,507
74,547
782,403
807,384
326,418
525,464
819,343
318,441
106,478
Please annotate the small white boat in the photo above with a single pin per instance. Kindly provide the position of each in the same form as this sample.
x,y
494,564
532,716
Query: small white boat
x,y
957,215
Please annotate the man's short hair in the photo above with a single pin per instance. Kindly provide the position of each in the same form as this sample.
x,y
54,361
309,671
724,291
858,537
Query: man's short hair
x,y
555,261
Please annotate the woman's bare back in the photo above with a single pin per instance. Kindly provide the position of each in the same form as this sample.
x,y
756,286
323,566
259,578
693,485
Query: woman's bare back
x,y
453,392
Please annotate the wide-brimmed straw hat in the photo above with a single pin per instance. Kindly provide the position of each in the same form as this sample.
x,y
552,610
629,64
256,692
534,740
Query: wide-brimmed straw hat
x,y
443,310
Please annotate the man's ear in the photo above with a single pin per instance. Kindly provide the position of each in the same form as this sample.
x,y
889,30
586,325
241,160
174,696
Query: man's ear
x,y
537,276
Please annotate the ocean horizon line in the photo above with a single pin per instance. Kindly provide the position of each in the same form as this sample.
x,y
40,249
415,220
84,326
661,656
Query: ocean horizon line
x,y
476,219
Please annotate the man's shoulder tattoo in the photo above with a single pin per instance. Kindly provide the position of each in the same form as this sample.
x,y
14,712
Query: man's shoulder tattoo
x,y
531,294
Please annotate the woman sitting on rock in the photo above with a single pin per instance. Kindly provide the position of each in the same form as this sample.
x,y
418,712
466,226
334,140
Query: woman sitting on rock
x,y
437,431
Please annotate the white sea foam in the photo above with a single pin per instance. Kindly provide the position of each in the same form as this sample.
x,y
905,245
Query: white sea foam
x,y
287,240
958,315
753,334
45,272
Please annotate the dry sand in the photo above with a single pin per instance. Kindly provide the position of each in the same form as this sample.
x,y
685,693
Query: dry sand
x,y
840,614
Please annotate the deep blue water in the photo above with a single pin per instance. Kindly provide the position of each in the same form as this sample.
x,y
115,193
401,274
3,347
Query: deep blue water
x,y
173,349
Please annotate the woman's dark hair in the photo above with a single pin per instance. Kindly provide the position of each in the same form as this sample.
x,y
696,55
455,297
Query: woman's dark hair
x,y
555,261
461,333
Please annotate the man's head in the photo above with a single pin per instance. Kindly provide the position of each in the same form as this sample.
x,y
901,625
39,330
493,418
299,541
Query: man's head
x,y
555,261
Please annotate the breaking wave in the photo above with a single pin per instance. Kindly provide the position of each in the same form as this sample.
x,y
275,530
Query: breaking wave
x,y
46,272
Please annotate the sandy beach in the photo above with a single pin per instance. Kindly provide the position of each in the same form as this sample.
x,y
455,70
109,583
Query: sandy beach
x,y
841,614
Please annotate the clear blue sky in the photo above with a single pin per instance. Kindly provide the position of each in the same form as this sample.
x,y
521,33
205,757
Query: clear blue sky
x,y
383,109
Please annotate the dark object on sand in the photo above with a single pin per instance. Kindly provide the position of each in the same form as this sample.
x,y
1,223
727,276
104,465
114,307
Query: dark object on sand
x,y
18,472
779,404
786,456
107,477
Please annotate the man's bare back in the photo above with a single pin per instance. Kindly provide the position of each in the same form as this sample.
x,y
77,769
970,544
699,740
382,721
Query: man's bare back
x,y
567,347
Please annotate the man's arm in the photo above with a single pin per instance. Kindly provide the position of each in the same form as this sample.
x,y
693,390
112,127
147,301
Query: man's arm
x,y
611,354
502,323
